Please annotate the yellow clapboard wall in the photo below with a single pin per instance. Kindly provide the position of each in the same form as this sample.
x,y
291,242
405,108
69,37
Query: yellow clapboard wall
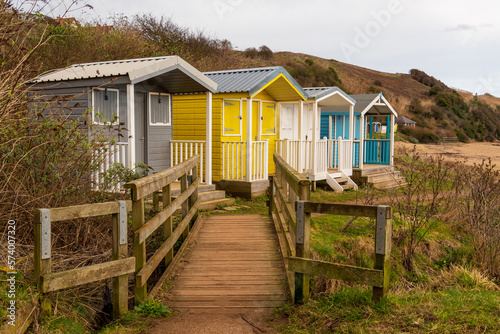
x,y
189,122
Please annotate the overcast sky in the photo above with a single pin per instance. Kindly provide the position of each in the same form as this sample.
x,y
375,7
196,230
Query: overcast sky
x,y
456,41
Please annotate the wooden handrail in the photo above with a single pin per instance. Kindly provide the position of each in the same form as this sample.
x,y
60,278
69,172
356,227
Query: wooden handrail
x,y
187,200
291,210
147,185
118,268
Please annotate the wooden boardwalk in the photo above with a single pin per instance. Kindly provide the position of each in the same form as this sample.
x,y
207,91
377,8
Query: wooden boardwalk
x,y
233,262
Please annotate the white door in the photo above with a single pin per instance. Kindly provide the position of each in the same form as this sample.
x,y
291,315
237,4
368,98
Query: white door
x,y
289,114
307,116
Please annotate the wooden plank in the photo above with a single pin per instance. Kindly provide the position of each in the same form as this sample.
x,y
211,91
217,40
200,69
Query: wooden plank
x,y
79,276
167,225
209,304
178,256
85,211
149,184
289,240
225,291
383,237
147,229
369,211
120,283
41,266
139,248
215,298
292,177
143,275
287,208
371,277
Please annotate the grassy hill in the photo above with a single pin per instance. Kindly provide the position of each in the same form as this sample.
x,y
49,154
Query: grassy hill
x,y
438,110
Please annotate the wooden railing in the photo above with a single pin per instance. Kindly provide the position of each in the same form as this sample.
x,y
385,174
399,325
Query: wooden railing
x,y
340,154
187,200
298,154
118,268
377,151
111,154
291,210
285,188
234,166
181,150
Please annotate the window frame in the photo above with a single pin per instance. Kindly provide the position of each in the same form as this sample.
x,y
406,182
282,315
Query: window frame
x,y
169,113
94,118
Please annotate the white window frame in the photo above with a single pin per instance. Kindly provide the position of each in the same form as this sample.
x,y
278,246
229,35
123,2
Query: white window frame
x,y
223,118
117,119
275,115
169,109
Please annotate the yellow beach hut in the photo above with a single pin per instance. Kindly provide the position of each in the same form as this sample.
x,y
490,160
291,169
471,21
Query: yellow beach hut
x,y
236,126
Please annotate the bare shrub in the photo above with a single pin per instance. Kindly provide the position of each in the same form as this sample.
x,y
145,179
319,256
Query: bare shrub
x,y
419,203
480,212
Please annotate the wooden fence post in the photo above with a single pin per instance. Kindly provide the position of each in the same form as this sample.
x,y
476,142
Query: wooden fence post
x,y
302,241
383,234
156,201
271,194
194,195
43,252
185,205
167,225
139,248
120,242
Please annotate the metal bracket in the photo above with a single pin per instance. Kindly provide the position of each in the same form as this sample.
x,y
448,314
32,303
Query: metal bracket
x,y
122,222
299,234
45,234
380,230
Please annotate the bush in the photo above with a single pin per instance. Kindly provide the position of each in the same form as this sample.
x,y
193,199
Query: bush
x,y
309,61
265,52
377,83
251,52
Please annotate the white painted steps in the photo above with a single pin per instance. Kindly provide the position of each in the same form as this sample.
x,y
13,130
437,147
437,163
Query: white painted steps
x,y
339,184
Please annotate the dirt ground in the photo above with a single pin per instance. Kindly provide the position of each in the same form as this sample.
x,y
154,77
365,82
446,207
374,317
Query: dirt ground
x,y
471,152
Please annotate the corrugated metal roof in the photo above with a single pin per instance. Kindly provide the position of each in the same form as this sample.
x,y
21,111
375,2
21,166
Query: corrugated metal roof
x,y
369,104
137,70
250,80
406,120
318,93
363,101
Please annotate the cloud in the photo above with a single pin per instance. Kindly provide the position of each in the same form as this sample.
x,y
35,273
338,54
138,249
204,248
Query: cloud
x,y
470,27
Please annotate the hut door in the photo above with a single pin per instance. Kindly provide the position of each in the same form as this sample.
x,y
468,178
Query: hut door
x,y
232,118
288,120
268,119
140,129
307,123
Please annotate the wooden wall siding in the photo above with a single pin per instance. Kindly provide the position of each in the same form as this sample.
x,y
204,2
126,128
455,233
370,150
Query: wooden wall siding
x,y
189,123
73,98
158,148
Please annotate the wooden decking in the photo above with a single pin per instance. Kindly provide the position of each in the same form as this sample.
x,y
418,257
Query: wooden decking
x,y
233,262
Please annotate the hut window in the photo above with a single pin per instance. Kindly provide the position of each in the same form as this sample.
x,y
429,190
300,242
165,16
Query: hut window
x,y
159,109
105,105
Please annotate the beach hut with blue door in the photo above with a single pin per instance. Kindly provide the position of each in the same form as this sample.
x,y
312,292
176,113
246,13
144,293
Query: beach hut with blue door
x,y
372,136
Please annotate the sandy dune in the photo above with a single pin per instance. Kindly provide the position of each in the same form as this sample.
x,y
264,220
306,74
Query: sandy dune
x,y
472,152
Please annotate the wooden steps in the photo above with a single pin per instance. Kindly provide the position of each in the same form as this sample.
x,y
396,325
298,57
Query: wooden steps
x,y
384,177
210,198
234,263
